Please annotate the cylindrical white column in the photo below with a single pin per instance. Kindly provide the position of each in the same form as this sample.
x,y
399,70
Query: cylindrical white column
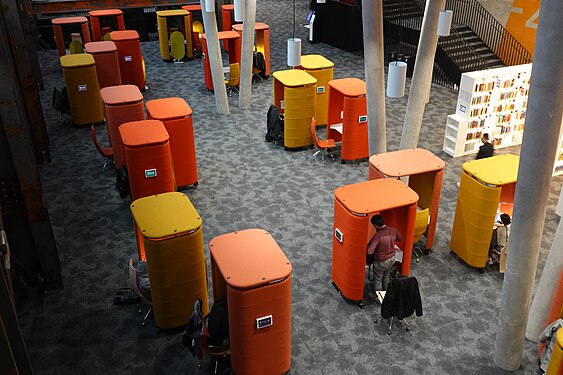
x,y
321,1
294,52
445,22
396,79
240,6
210,6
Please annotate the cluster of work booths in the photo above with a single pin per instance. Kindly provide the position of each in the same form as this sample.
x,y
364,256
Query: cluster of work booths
x,y
156,154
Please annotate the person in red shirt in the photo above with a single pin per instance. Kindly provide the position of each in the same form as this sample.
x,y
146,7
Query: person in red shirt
x,y
382,246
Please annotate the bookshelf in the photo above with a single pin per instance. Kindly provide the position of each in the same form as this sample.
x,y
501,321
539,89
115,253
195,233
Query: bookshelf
x,y
491,101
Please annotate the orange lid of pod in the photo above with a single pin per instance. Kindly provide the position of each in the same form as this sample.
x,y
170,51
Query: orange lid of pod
x,y
349,86
368,197
231,34
249,258
100,47
192,7
228,7
257,26
122,94
123,35
105,12
68,20
168,108
143,133
406,162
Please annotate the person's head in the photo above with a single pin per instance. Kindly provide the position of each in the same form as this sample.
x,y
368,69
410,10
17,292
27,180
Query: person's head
x,y
505,219
485,138
377,221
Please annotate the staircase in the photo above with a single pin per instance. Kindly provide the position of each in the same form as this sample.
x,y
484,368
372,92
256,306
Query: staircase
x,y
463,50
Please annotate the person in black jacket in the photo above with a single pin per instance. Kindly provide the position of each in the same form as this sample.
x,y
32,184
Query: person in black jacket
x,y
402,298
487,149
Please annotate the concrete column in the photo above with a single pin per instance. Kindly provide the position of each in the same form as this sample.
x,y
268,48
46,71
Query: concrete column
x,y
245,95
420,83
215,60
372,20
539,145
541,305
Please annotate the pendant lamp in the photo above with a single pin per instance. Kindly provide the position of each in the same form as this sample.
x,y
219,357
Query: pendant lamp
x,y
240,6
396,79
445,22
210,6
294,46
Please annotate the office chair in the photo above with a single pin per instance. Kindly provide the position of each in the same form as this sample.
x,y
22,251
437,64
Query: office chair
x,y
133,274
234,78
106,152
401,300
420,225
324,146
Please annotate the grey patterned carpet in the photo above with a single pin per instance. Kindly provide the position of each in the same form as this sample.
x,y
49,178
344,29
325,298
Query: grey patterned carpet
x,y
245,182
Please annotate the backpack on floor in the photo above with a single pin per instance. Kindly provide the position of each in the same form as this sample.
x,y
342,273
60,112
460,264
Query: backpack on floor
x,y
122,182
274,125
60,101
218,324
259,64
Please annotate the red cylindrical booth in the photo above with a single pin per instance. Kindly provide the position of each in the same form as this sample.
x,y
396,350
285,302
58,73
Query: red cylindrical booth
x,y
131,62
122,104
176,115
104,21
107,62
79,23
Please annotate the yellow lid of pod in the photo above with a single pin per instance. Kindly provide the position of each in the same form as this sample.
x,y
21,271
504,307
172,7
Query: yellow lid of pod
x,y
77,60
496,170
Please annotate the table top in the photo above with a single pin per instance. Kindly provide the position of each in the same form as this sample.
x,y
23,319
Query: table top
x,y
349,86
192,7
100,47
230,34
172,13
165,215
375,196
406,162
68,20
105,12
228,7
122,35
294,77
313,62
143,133
496,170
77,60
168,108
249,258
122,94
257,26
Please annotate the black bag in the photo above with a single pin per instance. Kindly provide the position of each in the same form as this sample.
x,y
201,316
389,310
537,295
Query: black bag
x,y
259,63
194,329
274,126
218,324
60,101
122,182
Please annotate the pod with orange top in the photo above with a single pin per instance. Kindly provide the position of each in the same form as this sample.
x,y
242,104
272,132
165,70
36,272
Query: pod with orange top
x,y
251,271
107,62
131,64
233,39
261,43
173,241
486,190
105,21
65,26
354,205
347,117
425,172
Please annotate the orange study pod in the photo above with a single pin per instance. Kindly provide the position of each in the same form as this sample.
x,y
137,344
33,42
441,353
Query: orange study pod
x,y
354,205
196,26
105,21
122,104
347,117
173,241
176,115
233,39
72,25
83,88
131,63
262,42
107,62
251,271
425,172
486,190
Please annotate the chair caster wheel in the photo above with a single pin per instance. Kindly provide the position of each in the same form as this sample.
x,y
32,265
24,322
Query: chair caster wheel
x,y
417,260
144,324
426,251
407,329
481,270
196,183
389,332
361,305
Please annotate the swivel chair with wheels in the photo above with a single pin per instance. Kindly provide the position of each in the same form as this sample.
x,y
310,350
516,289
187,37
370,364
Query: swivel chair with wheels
x,y
324,146
420,225
401,300
234,78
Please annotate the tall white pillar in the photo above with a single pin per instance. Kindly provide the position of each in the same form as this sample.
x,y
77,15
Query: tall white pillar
x,y
245,95
539,145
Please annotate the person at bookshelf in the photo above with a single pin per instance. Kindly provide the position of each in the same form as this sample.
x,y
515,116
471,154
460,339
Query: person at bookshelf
x,y
382,246
487,149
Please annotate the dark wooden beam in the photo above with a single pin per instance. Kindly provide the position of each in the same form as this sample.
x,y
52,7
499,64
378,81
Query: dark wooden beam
x,y
49,7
